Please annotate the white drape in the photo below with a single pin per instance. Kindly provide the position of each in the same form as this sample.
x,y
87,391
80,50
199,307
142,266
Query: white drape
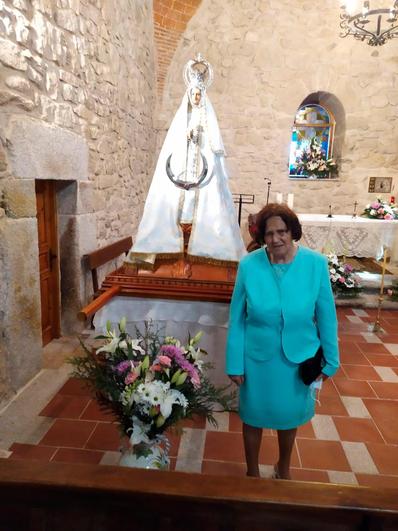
x,y
215,231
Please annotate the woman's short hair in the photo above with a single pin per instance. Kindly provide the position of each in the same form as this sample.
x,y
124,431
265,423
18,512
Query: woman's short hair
x,y
283,211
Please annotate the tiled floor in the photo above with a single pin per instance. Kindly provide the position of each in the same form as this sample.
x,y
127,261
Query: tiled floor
x,y
352,439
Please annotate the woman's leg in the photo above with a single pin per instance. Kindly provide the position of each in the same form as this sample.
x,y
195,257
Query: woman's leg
x,y
286,440
252,441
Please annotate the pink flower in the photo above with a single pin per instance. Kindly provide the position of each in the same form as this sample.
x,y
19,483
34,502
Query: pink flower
x,y
164,360
341,279
389,292
156,368
130,378
375,205
388,216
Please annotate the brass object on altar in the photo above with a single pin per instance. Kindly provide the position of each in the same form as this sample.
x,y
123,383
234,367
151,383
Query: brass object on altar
x,y
377,326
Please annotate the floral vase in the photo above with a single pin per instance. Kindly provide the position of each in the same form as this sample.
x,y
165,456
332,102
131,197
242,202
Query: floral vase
x,y
153,454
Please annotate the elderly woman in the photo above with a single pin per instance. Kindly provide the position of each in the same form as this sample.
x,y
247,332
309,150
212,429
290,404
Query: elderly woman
x,y
282,311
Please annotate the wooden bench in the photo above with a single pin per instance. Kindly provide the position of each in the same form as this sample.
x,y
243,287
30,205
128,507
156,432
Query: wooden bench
x,y
104,255
42,496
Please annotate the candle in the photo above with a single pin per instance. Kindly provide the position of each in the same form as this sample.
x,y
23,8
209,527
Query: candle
x,y
290,199
279,197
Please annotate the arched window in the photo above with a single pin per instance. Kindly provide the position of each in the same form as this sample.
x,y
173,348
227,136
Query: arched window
x,y
311,144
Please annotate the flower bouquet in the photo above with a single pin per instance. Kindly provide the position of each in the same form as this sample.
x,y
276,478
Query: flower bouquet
x,y
150,383
381,209
312,161
342,278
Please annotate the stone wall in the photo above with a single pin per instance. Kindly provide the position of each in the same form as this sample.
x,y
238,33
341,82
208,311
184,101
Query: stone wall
x,y
267,58
77,90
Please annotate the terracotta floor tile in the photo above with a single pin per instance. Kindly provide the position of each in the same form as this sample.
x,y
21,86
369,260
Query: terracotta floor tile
x,y
224,446
377,481
269,452
235,424
306,431
361,372
354,388
104,437
31,452
72,455
357,430
385,389
303,474
390,338
385,457
94,411
174,441
328,388
385,415
353,358
350,338
195,422
222,468
331,405
69,433
75,387
323,455
383,360
65,407
373,348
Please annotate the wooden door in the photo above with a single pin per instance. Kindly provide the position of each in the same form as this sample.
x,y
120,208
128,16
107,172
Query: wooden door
x,y
48,259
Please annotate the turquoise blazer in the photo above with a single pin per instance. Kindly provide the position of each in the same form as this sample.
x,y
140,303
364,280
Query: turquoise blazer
x,y
302,301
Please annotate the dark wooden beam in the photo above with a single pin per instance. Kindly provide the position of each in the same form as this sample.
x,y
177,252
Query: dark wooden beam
x,y
53,496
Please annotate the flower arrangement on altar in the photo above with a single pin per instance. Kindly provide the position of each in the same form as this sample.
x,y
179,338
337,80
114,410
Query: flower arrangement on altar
x,y
150,383
381,209
312,162
342,277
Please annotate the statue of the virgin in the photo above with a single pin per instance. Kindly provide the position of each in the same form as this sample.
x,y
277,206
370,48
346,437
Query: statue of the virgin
x,y
190,186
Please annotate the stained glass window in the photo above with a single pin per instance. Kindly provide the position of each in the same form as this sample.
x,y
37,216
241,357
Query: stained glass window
x,y
313,125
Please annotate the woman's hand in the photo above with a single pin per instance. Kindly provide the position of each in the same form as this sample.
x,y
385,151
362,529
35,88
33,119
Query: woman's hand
x,y
237,379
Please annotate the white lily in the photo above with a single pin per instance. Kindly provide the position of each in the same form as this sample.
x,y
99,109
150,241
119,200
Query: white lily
x,y
139,432
136,347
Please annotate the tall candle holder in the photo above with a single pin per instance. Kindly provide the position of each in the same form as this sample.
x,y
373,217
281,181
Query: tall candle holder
x,y
377,326
330,212
354,214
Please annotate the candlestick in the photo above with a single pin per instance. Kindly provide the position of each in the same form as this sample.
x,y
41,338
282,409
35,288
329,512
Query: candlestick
x,y
330,212
354,214
377,326
290,200
279,197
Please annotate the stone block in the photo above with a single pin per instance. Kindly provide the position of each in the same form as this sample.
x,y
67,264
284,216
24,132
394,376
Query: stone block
x,y
19,198
10,55
19,83
7,97
21,323
3,158
42,151
67,19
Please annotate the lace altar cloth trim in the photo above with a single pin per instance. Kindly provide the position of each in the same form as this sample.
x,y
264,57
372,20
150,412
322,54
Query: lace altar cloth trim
x,y
349,236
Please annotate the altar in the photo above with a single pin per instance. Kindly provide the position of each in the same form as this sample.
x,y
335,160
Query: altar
x,y
348,236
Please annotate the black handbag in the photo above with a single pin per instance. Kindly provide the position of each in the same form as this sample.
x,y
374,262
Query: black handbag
x,y
310,369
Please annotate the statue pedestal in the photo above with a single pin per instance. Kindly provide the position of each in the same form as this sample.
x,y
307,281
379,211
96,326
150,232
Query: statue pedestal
x,y
176,279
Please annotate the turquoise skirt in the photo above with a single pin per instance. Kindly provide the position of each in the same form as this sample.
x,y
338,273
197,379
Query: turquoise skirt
x,y
273,396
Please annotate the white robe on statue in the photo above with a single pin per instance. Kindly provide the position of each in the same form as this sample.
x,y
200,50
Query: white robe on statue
x,y
215,234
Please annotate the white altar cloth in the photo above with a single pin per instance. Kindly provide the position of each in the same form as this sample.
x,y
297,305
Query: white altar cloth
x,y
174,318
348,236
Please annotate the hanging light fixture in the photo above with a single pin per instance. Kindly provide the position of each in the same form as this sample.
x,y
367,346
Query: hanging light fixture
x,y
375,26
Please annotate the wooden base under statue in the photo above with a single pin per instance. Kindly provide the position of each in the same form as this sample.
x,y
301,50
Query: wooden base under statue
x,y
179,279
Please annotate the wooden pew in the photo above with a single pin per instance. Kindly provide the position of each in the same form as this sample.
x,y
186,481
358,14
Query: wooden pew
x,y
41,496
101,256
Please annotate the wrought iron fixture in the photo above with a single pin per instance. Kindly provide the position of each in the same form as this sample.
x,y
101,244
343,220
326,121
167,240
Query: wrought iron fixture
x,y
375,26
